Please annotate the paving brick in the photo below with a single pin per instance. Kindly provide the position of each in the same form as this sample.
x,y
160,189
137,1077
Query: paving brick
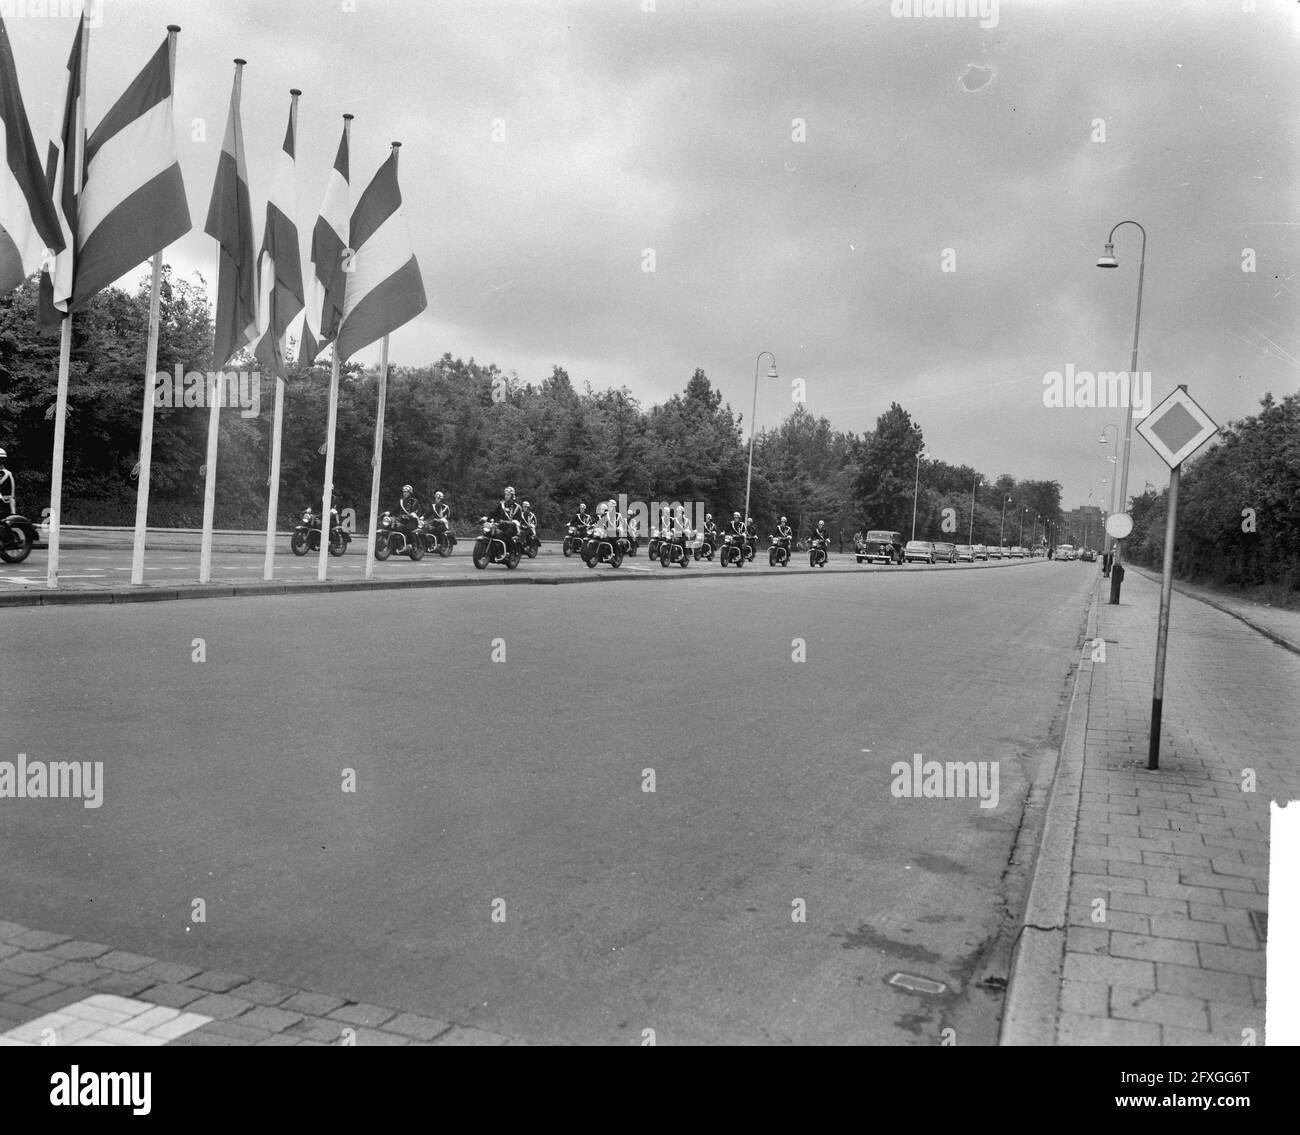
x,y
371,1016
318,1029
1153,949
375,1037
1076,1029
1224,882
1212,985
56,1001
13,1011
200,1038
1090,997
277,1040
30,963
34,992
418,1028
262,992
1185,893
312,1004
169,973
1187,930
268,1018
1244,900
1131,1004
1171,1036
241,1033
122,984
220,1006
11,930
218,981
177,996
1092,886
75,973
126,963
1249,962
179,1026
1088,940
1149,905
1229,1020
79,951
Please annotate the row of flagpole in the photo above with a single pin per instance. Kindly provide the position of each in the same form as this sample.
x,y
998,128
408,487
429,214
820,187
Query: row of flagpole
x,y
366,280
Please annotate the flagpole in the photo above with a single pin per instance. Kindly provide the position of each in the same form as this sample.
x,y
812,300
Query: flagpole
x,y
215,382
65,330
150,367
277,421
378,461
330,428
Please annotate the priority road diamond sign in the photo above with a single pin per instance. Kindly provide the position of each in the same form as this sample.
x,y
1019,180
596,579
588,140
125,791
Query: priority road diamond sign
x,y
1177,428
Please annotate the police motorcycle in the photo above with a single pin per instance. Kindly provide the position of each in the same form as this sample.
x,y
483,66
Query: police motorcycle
x,y
656,538
306,534
817,549
497,543
674,548
528,533
751,539
778,554
436,531
603,547
708,542
574,539
17,535
732,550
400,534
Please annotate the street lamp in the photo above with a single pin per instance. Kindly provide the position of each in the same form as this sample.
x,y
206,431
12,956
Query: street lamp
x,y
916,488
1022,526
1114,460
752,425
1003,523
1108,261
970,537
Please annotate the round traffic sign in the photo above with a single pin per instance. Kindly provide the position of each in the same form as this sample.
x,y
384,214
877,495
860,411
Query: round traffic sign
x,y
1119,525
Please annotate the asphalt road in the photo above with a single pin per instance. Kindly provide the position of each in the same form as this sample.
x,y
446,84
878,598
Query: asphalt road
x,y
522,780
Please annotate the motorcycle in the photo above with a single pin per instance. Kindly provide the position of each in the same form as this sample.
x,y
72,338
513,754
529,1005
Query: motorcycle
x,y
531,543
817,551
498,543
574,540
437,536
604,548
706,547
733,550
306,535
652,549
778,555
17,535
675,550
751,546
399,535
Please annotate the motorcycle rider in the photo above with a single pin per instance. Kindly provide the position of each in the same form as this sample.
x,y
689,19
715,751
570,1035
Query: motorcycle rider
x,y
440,517
784,534
529,520
510,515
710,529
823,534
8,504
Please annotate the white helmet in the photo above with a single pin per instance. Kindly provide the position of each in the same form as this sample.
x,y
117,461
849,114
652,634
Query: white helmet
x,y
407,490
510,490
526,505
437,496
783,520
3,455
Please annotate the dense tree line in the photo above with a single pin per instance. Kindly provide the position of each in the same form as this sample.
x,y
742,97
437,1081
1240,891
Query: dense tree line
x,y
1238,517
462,427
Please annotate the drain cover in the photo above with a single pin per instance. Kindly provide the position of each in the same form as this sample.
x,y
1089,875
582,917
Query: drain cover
x,y
1259,920
917,984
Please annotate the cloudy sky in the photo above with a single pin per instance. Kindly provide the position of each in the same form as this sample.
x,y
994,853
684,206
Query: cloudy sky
x,y
803,172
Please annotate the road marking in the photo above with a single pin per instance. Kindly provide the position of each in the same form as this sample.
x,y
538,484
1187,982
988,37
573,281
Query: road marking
x,y
105,1019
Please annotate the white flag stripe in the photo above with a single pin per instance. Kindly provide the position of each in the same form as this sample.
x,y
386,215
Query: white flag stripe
x,y
125,163
387,250
334,211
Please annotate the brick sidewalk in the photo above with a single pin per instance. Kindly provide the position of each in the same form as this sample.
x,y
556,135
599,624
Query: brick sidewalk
x,y
54,990
1168,865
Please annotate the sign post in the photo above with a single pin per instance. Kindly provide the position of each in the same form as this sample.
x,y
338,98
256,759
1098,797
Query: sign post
x,y
1175,430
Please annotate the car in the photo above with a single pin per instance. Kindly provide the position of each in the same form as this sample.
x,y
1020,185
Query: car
x,y
1016,552
981,551
918,552
945,552
966,553
994,553
1088,555
1065,552
881,546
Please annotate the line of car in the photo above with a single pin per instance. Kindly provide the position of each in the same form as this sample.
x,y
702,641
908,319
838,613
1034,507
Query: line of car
x,y
885,547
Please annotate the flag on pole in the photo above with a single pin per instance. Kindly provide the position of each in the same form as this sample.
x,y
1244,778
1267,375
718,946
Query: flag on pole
x,y
29,228
279,264
230,222
329,241
133,201
384,286
56,286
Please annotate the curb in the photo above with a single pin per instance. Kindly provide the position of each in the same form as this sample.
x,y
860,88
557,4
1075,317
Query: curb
x,y
1181,588
164,593
1030,1010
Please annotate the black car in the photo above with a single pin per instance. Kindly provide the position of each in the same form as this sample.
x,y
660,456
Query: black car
x,y
881,546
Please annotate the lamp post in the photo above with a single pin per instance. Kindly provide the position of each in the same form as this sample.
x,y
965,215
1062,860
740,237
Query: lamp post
x,y
753,425
970,536
916,488
1108,260
1024,512
1114,460
1003,523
